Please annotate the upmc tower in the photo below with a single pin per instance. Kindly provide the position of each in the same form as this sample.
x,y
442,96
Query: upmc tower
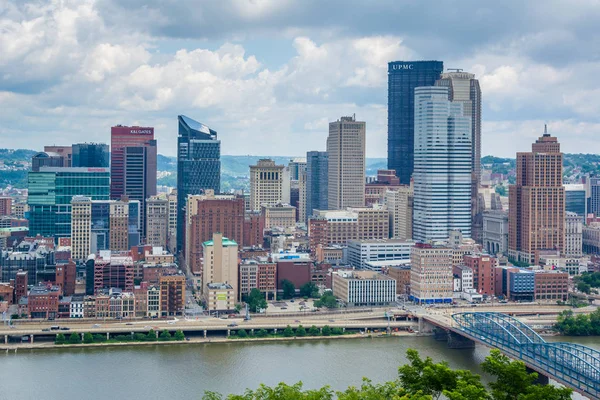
x,y
403,78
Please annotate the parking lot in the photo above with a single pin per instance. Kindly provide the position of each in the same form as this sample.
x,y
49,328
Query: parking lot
x,y
291,306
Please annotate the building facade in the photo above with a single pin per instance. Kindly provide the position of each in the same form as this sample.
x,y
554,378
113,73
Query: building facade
x,y
198,166
576,199
122,137
361,252
403,78
346,163
90,155
266,184
362,288
431,278
537,202
220,262
317,175
139,175
278,215
495,231
442,166
400,204
157,221
573,235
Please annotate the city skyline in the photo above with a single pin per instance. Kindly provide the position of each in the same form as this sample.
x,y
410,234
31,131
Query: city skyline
x,y
249,85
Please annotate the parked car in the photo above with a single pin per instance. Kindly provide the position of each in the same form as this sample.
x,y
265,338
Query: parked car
x,y
231,325
65,328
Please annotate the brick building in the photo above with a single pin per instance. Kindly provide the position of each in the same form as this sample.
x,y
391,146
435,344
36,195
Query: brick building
x,y
551,285
172,295
66,275
483,267
42,302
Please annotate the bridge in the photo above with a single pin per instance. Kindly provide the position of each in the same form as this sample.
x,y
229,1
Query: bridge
x,y
573,365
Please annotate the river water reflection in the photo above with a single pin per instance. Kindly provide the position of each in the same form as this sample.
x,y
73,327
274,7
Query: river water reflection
x,y
186,371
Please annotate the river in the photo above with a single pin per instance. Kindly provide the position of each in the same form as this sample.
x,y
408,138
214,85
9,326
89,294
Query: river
x,y
186,371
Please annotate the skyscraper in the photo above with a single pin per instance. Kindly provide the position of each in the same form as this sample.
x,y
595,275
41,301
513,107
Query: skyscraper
x,y
316,182
442,175
50,193
403,78
157,221
120,138
139,175
266,184
537,202
464,88
198,166
346,163
92,155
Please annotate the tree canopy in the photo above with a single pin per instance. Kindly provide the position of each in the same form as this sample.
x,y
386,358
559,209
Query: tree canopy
x,y
256,300
289,290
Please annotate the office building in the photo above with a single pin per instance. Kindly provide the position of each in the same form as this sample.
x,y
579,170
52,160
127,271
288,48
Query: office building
x,y
50,193
495,231
172,233
157,221
219,297
317,175
537,202
551,286
139,175
90,155
52,156
81,227
302,193
521,285
266,184
400,204
483,267
172,295
594,195
403,78
122,137
258,274
296,166
362,252
336,227
442,166
220,262
5,206
346,163
573,235
198,166
278,216
109,270
575,199
208,214
375,190
42,302
431,274
65,278
591,238
363,288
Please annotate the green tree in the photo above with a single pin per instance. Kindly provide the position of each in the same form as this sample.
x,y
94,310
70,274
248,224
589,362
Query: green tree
x,y
327,300
74,338
288,331
289,290
256,300
238,307
151,336
164,335
309,289
242,333
584,287
179,335
60,339
139,337
337,331
326,331
262,333
300,332
88,338
313,331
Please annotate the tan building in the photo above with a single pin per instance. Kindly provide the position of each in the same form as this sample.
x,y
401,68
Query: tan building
x,y
81,227
431,279
157,221
172,227
346,168
266,184
402,277
329,254
258,274
119,226
279,216
302,196
219,297
537,202
399,203
220,262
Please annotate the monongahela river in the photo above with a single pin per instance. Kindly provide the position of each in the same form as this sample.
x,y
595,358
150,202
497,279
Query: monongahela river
x,y
186,371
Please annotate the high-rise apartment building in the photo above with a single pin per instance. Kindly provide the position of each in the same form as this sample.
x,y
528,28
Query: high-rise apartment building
x,y
442,166
198,166
50,193
120,138
317,175
220,262
208,214
537,202
157,221
172,295
400,203
431,279
403,78
266,184
346,163
90,155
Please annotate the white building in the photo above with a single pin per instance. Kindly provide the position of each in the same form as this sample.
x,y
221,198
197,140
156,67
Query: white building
x,y
431,278
495,231
399,203
442,166
267,184
76,307
573,235
361,252
363,288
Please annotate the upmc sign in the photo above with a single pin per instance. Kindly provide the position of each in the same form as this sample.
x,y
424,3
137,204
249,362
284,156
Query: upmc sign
x,y
398,67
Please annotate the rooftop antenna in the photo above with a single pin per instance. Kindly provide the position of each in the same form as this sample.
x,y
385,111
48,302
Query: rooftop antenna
x,y
546,130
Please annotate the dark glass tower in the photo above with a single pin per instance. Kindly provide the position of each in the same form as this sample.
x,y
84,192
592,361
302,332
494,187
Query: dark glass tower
x,y
403,78
316,182
198,166
90,155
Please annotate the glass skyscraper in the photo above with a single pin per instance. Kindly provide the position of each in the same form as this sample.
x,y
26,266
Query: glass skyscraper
x,y
403,78
316,182
50,193
92,155
442,176
198,166
575,199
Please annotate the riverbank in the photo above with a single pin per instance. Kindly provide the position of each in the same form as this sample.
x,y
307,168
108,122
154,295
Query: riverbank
x,y
50,345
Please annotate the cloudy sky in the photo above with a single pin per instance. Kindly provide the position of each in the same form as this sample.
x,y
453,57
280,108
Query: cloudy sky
x,y
269,74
